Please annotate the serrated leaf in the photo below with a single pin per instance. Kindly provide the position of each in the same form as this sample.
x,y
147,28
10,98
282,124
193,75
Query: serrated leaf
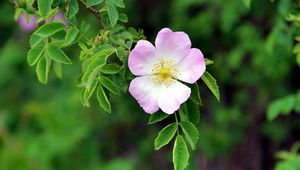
x,y
42,70
191,133
110,69
121,53
165,136
35,40
103,100
193,112
180,154
44,7
211,83
195,96
72,8
49,29
157,117
34,55
58,69
93,2
71,35
112,13
88,92
57,54
118,3
109,85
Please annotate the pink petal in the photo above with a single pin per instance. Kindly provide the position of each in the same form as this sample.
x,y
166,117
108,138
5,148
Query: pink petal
x,y
192,66
173,45
142,58
171,97
145,92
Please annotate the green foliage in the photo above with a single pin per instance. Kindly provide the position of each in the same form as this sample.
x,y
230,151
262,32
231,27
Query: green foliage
x,y
165,135
44,7
247,3
93,2
180,154
34,55
289,160
103,99
56,54
211,83
284,106
191,133
157,117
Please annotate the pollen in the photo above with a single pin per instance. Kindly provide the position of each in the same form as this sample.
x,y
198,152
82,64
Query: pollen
x,y
165,71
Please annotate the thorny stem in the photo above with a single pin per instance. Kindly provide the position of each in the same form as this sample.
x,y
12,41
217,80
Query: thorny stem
x,y
95,12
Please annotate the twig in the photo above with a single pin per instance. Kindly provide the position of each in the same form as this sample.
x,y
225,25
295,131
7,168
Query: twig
x,y
95,12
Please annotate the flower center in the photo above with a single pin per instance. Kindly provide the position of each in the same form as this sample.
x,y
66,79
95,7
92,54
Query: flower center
x,y
164,71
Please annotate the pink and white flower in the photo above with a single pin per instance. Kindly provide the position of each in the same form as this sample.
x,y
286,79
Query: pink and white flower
x,y
160,71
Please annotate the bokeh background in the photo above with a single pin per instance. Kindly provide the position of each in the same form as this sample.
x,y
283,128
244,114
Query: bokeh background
x,y
45,127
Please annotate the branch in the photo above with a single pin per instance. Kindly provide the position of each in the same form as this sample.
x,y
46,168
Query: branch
x,y
95,12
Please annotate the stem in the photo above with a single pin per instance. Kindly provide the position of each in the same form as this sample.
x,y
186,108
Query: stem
x,y
95,12
176,123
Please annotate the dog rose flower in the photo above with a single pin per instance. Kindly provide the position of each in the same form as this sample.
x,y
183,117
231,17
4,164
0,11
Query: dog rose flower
x,y
160,71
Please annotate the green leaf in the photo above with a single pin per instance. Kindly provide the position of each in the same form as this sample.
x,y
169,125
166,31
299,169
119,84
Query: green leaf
x,y
42,70
58,69
247,3
195,96
44,7
71,35
165,136
35,40
93,2
34,55
72,8
88,92
57,54
84,27
49,29
123,18
103,100
121,53
182,115
157,117
112,13
193,112
118,3
191,133
110,69
180,154
211,83
109,85
284,105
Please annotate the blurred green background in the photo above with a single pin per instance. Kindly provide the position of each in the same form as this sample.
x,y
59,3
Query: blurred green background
x,y
46,127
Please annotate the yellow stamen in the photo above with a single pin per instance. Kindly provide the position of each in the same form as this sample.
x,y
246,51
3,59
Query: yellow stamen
x,y
164,71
